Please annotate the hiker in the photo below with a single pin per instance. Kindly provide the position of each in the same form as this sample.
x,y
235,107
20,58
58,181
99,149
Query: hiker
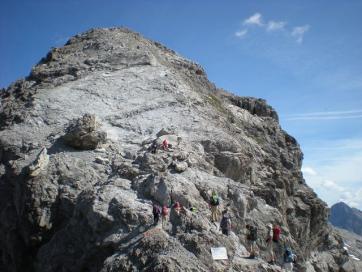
x,y
276,233
190,216
177,207
154,147
252,238
289,259
269,243
225,223
214,203
165,145
164,215
276,236
170,199
156,211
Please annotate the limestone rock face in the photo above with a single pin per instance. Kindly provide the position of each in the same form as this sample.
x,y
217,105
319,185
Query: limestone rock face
x,y
89,207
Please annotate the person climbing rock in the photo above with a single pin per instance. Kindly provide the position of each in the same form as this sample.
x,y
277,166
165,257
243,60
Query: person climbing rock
x,y
252,237
269,243
214,204
177,207
170,199
276,233
154,147
164,216
289,259
165,145
156,211
225,224
277,249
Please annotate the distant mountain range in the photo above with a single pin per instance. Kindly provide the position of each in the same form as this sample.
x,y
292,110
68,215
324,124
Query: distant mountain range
x,y
345,217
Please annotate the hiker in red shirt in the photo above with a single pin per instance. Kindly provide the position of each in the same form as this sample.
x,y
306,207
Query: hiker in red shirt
x,y
276,233
165,145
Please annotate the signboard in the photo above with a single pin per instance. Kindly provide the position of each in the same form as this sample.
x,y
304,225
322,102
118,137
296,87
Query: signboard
x,y
219,253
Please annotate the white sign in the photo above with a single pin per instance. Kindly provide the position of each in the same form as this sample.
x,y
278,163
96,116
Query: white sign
x,y
219,253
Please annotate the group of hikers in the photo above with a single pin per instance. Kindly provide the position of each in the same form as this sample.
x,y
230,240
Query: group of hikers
x,y
272,240
272,237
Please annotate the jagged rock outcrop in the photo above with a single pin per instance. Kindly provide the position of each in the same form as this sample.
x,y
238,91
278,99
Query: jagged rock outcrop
x,y
90,208
84,134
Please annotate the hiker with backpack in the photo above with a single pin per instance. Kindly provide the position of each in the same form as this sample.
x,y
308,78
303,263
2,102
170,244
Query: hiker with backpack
x,y
177,207
276,245
269,243
252,237
165,145
225,224
154,147
214,204
276,233
289,259
156,211
164,214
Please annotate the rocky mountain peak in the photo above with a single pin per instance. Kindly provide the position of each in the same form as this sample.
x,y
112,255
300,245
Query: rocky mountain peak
x,y
345,217
112,123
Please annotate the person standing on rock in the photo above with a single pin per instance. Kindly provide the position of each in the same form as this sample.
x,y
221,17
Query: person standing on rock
x,y
276,237
156,211
177,207
225,224
164,216
165,145
252,238
289,259
214,204
269,243
154,147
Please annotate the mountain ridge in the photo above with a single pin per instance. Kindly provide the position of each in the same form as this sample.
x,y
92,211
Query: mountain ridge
x,y
78,177
346,217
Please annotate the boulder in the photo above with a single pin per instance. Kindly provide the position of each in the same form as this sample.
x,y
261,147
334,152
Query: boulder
x,y
83,133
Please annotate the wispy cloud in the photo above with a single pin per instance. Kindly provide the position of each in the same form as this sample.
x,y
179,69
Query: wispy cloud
x,y
241,33
274,26
327,115
271,26
299,31
255,19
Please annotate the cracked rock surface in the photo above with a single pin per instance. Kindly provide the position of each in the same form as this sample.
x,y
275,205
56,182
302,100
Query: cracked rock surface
x,y
86,118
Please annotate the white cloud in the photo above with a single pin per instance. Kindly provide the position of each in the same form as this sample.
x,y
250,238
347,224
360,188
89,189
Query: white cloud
x,y
334,171
255,19
327,115
353,199
241,33
309,171
271,26
299,31
274,26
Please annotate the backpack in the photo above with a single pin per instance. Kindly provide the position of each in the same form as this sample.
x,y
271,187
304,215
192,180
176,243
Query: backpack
x,y
156,210
253,235
164,211
214,200
276,234
288,256
225,222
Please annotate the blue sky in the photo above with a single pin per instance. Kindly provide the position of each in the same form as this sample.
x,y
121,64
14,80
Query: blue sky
x,y
303,57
